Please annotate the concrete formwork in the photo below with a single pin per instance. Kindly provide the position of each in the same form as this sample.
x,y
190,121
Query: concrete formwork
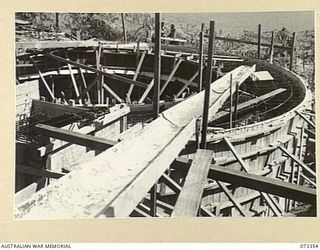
x,y
258,144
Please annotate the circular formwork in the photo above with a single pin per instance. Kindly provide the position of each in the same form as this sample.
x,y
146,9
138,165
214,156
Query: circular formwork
x,y
256,142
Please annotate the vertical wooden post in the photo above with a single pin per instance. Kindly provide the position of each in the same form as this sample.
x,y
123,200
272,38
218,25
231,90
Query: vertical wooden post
x,y
78,35
197,132
156,91
292,50
100,78
57,21
230,101
162,29
201,58
124,28
207,88
236,105
259,40
271,47
138,49
157,67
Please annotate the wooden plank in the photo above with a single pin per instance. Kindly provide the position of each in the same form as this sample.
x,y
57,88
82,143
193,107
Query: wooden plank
x,y
84,84
87,89
233,199
177,189
141,212
254,181
37,172
121,176
247,170
112,92
170,183
263,184
207,211
75,86
43,79
165,77
24,194
308,180
123,204
175,68
114,115
136,74
306,119
249,103
75,137
262,76
189,200
147,108
130,131
54,109
146,92
294,158
92,69
75,44
190,81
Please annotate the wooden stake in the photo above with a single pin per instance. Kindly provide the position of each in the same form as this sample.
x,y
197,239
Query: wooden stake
x,y
236,105
156,97
201,58
57,21
207,88
124,28
230,120
157,67
271,47
292,50
259,40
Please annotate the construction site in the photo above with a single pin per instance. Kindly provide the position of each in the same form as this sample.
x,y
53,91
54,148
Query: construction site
x,y
161,127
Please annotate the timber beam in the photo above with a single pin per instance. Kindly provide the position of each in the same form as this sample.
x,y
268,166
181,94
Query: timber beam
x,y
23,169
264,184
55,109
77,44
189,199
256,182
75,137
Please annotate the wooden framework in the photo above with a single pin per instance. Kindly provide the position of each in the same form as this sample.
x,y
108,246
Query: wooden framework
x,y
189,200
179,129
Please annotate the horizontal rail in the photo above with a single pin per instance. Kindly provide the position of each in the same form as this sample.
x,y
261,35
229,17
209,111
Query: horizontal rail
x,y
75,137
107,75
